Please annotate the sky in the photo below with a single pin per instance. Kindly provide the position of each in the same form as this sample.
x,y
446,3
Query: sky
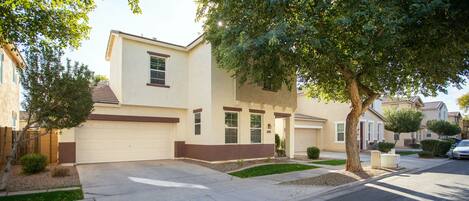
x,y
166,20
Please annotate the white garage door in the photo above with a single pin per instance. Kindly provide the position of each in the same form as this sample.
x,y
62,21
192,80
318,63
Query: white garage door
x,y
110,141
304,138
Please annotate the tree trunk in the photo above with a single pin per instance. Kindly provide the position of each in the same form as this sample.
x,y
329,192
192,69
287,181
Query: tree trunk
x,y
351,142
7,169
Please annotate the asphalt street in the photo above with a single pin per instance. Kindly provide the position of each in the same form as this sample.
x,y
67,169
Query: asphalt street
x,y
446,182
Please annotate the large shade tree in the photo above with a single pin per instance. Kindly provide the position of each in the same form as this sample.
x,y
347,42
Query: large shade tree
x,y
463,102
347,51
443,128
60,23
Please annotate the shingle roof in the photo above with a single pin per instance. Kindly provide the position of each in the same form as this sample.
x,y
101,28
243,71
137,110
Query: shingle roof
x,y
432,105
454,114
104,94
308,117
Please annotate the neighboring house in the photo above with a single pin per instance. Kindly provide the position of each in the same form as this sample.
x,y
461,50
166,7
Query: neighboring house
x,y
396,103
434,111
322,125
168,101
456,118
10,61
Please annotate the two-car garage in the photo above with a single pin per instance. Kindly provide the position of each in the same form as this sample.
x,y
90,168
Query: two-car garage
x,y
111,141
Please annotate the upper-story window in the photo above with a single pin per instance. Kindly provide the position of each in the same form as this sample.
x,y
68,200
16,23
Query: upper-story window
x,y
157,70
14,73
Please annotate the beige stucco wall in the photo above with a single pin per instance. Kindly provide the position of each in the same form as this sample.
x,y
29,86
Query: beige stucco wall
x,y
136,75
115,72
284,97
334,113
9,92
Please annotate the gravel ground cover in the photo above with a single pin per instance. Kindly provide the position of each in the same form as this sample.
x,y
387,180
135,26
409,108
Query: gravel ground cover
x,y
338,178
21,182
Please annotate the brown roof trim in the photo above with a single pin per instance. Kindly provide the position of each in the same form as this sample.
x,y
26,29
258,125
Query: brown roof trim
x,y
145,38
197,110
158,54
257,111
108,117
377,114
281,115
236,109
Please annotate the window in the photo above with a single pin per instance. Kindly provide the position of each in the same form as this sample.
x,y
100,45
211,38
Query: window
x,y
429,135
13,120
13,73
1,67
370,131
231,127
379,131
157,70
197,123
256,128
340,132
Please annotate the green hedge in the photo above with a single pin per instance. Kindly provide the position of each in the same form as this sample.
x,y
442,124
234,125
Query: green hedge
x,y
425,154
33,163
385,146
436,147
313,152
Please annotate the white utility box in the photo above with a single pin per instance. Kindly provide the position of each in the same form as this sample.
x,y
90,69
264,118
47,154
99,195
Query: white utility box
x,y
390,160
375,159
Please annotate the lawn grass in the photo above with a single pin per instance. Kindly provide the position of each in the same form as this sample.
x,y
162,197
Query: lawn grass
x,y
271,169
48,196
406,153
334,162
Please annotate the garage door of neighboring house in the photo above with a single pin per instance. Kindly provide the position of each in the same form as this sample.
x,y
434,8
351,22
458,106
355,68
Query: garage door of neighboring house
x,y
304,138
110,141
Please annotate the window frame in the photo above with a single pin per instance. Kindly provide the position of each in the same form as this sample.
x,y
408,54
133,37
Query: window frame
x,y
14,73
253,128
227,127
371,125
199,123
379,130
156,70
336,131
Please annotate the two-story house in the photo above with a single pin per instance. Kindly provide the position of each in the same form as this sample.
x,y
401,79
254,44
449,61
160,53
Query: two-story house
x,y
322,124
10,61
436,110
168,101
396,103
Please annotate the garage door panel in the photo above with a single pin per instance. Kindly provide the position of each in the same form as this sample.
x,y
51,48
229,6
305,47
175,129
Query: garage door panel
x,y
305,138
103,141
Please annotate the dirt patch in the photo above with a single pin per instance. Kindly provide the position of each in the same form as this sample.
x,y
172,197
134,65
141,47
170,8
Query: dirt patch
x,y
338,178
232,166
21,182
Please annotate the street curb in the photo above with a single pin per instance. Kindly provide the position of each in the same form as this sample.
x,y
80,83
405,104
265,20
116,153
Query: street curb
x,y
354,186
6,194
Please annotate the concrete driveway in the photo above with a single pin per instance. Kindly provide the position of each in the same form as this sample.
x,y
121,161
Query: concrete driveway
x,y
177,180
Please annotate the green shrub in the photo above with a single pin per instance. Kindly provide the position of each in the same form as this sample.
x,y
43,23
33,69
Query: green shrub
x,y
429,145
277,141
60,172
425,154
313,152
280,153
33,163
443,148
385,146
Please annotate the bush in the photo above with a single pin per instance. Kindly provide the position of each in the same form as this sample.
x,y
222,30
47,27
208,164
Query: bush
x,y
425,154
385,146
281,153
33,163
443,148
60,172
429,145
277,141
313,152
414,146
436,147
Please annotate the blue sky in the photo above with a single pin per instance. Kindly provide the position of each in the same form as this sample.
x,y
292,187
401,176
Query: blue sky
x,y
171,21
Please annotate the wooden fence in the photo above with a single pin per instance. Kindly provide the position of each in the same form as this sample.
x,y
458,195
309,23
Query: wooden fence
x,y
34,141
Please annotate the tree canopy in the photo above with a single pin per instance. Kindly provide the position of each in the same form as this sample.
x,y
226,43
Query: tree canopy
x,y
60,23
443,128
56,96
346,51
463,102
403,120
